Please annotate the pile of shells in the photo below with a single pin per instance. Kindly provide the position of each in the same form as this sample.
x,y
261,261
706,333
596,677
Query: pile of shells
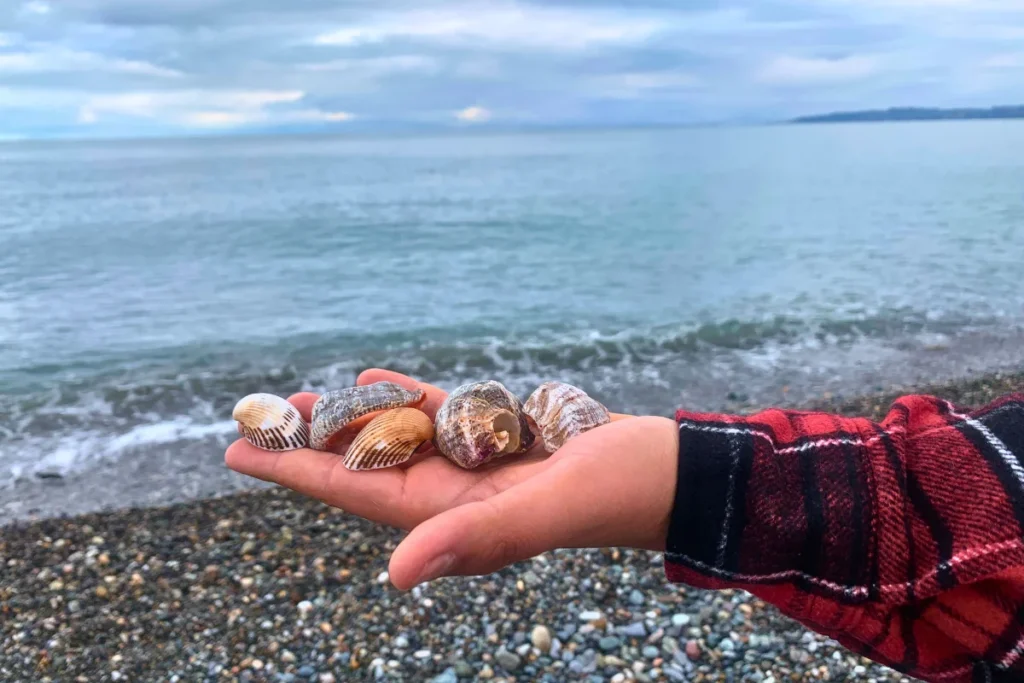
x,y
383,425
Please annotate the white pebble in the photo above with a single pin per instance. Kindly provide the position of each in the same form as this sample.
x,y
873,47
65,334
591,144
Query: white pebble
x,y
304,607
427,602
523,649
327,678
618,678
590,615
421,654
383,578
859,670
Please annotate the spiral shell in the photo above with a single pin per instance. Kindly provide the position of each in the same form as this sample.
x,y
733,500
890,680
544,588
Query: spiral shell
x,y
479,422
390,439
271,423
563,411
337,415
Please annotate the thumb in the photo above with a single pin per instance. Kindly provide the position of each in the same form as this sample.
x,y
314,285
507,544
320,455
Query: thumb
x,y
611,488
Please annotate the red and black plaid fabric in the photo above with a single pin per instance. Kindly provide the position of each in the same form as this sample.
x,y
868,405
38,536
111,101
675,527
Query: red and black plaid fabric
x,y
902,539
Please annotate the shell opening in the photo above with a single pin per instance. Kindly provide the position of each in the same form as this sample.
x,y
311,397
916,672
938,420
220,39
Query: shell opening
x,y
506,432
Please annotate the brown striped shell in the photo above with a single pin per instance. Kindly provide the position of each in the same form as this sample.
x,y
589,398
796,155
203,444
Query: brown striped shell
x,y
563,411
338,415
390,439
271,423
479,422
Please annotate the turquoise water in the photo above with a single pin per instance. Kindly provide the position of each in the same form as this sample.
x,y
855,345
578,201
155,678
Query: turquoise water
x,y
146,285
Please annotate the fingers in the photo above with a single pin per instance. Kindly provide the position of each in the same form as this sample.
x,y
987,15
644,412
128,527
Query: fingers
x,y
435,395
615,487
304,402
373,495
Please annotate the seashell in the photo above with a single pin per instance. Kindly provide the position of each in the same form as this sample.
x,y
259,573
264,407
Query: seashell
x,y
390,439
479,422
271,423
563,411
337,415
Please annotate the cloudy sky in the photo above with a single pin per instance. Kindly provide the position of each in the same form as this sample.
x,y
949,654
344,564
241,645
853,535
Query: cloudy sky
x,y
142,67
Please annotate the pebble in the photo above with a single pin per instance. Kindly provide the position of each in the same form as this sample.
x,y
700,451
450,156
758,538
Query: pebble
x,y
634,630
541,638
449,675
591,615
507,660
693,649
486,672
651,652
680,620
383,578
636,597
609,643
421,654
304,608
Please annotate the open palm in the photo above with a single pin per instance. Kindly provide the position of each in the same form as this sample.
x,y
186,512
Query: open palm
x,y
477,521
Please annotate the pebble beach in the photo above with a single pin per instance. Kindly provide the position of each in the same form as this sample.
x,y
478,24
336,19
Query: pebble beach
x,y
270,586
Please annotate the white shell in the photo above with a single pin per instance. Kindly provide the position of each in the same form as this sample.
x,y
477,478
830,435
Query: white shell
x,y
271,423
563,411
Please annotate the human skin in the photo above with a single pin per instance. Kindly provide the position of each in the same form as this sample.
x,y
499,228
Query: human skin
x,y
610,487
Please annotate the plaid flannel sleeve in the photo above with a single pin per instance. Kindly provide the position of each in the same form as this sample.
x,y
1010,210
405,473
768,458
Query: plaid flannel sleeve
x,y
901,539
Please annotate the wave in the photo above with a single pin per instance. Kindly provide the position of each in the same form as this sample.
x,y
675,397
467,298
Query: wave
x,y
186,397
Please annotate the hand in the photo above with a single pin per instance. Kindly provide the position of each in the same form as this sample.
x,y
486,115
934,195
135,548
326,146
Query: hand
x,y
611,486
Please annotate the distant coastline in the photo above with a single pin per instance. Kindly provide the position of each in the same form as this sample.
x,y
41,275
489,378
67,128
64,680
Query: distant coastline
x,y
915,114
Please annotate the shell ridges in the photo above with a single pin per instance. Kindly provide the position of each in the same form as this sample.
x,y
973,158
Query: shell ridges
x,y
562,412
271,423
390,439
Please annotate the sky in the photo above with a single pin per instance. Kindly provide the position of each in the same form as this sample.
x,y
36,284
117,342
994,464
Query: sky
x,y
115,68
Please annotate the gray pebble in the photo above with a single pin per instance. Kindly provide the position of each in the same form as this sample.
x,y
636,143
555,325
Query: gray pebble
x,y
448,676
726,645
609,643
507,660
306,671
636,597
401,642
463,669
634,630
531,579
651,652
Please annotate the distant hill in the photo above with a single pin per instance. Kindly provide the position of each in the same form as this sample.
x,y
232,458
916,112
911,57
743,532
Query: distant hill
x,y
916,114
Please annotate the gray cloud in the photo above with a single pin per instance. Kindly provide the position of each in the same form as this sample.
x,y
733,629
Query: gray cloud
x,y
110,67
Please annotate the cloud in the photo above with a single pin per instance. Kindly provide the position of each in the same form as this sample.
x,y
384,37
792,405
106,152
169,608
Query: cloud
x,y
36,7
473,115
112,67
803,71
54,60
207,109
499,26
377,66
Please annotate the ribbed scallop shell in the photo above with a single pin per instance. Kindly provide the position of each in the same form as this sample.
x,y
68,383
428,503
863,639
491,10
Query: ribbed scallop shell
x,y
390,439
563,411
479,422
339,414
271,423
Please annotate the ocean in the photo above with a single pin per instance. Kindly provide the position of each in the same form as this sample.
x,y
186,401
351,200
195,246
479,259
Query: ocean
x,y
146,285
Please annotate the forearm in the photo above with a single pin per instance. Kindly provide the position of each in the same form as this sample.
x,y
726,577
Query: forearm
x,y
873,533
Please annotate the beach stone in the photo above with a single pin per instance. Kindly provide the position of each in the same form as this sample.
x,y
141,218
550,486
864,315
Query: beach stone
x,y
463,669
306,671
609,643
541,638
400,642
531,579
486,672
447,676
634,630
680,620
693,649
507,660
651,652
590,615
636,597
